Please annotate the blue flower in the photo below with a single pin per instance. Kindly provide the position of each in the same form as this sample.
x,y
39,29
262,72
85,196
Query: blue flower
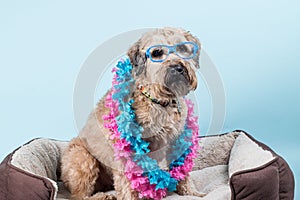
x,y
131,131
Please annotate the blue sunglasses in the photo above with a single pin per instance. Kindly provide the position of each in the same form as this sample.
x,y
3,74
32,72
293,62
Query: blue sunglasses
x,y
159,53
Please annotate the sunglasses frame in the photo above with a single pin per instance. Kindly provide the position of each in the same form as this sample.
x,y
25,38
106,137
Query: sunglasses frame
x,y
172,49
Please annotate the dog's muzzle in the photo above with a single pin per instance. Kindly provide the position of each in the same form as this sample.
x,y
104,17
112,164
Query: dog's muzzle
x,y
179,69
177,79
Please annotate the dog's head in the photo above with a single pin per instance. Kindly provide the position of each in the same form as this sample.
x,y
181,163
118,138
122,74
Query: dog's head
x,y
167,58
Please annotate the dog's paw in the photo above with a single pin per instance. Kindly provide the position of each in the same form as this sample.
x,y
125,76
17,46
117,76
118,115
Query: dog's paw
x,y
101,196
198,194
110,197
191,193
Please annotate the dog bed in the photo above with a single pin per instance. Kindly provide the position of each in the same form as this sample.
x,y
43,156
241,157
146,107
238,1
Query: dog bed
x,y
229,166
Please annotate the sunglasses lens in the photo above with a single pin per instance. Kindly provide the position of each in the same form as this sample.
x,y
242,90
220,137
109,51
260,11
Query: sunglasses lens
x,y
186,50
159,53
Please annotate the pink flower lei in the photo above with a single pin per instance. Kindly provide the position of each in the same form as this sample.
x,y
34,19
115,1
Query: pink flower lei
x,y
150,182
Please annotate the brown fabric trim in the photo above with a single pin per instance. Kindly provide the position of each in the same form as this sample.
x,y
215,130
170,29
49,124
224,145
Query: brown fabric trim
x,y
257,168
236,174
286,176
262,184
17,184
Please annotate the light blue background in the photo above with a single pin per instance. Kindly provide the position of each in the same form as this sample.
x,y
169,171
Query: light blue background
x,y
254,44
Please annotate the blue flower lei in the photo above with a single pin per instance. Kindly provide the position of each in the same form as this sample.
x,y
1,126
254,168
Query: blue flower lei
x,y
131,131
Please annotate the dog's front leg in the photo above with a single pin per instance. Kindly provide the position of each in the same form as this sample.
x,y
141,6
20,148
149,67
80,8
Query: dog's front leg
x,y
80,171
187,187
122,187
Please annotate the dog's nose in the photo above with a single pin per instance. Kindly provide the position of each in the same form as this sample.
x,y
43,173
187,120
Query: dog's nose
x,y
179,68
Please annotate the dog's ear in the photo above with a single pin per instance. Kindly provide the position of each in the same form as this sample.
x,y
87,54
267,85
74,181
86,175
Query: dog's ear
x,y
137,59
192,38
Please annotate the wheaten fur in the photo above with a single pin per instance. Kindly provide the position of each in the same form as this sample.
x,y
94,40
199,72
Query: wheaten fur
x,y
88,164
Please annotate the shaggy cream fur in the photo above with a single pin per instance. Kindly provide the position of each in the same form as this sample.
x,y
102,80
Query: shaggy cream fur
x,y
168,81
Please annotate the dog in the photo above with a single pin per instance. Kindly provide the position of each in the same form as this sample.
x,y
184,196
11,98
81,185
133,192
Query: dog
x,y
164,64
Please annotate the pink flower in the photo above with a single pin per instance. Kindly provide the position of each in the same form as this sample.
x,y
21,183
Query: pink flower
x,y
133,172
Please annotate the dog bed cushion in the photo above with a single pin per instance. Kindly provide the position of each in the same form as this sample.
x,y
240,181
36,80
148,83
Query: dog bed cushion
x,y
229,166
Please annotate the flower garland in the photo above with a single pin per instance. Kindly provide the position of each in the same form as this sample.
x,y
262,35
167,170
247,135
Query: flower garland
x,y
142,171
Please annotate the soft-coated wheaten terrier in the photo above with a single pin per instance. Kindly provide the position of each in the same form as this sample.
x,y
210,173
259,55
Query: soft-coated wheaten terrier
x,y
164,64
